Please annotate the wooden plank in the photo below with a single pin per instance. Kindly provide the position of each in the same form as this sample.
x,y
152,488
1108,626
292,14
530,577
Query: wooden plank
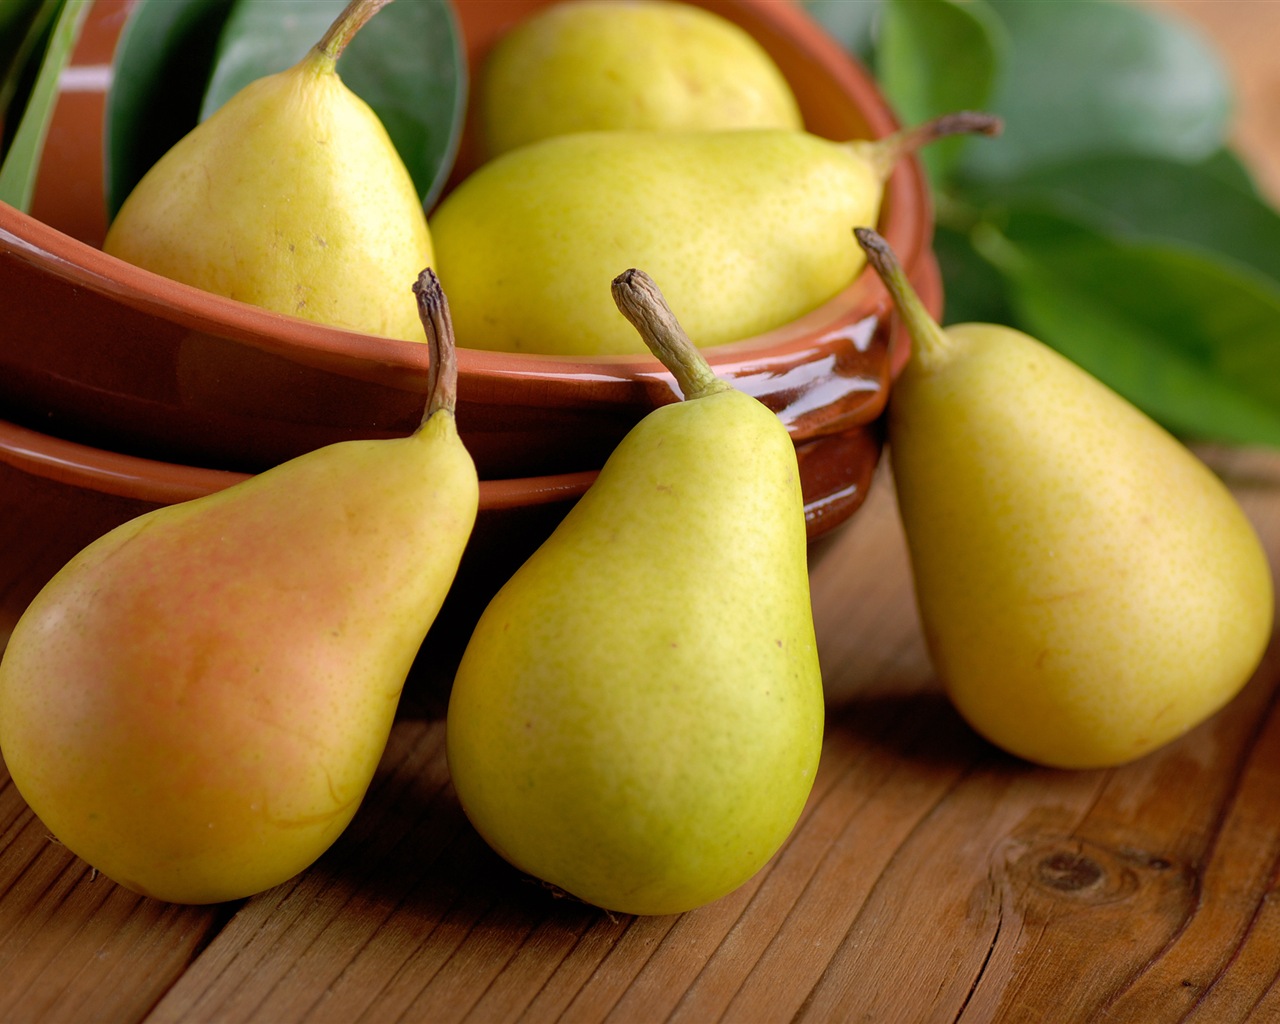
x,y
931,877
73,945
286,947
1226,957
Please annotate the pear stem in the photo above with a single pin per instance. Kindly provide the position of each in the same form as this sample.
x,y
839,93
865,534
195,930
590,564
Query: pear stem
x,y
442,377
345,26
931,343
640,301
885,153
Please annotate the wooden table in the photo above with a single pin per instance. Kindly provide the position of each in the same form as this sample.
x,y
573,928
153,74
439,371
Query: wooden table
x,y
932,878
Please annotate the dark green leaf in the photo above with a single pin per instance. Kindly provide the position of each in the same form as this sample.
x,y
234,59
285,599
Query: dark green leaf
x,y
18,18
933,57
407,63
1099,76
974,289
1227,166
22,159
15,18
1189,338
852,23
161,66
1171,388
26,38
1160,200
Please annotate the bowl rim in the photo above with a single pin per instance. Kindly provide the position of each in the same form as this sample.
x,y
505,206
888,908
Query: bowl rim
x,y
165,483
905,221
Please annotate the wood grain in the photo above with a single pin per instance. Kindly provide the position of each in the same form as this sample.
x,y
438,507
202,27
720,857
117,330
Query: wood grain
x,y
931,878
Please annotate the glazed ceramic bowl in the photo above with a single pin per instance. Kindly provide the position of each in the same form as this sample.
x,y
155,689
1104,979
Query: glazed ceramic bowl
x,y
59,495
121,391
98,351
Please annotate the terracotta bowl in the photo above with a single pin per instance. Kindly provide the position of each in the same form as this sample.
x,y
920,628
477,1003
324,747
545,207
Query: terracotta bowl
x,y
121,390
96,350
59,495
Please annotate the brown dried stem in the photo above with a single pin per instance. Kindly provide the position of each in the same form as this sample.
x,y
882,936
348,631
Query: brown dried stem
x,y
930,341
640,301
346,25
442,376
886,152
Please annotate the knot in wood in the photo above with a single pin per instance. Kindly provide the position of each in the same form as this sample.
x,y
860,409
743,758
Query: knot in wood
x,y
1070,872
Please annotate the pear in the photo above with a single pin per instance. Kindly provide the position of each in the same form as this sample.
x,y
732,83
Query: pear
x,y
1089,589
195,704
638,715
746,229
292,197
650,64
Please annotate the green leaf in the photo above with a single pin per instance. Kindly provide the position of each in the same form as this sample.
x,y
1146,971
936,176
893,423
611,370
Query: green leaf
x,y
15,17
851,23
1098,76
24,34
161,66
975,291
22,159
1226,165
1151,198
408,63
18,19
937,56
1190,339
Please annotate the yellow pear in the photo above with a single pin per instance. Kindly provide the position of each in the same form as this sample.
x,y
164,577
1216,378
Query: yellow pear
x,y
638,715
196,703
747,230
292,197
648,64
1089,590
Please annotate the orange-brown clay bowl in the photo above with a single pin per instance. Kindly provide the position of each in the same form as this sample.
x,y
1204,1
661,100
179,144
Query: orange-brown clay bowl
x,y
95,350
59,495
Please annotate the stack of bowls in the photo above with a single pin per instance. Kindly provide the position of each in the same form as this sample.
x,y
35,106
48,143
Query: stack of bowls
x,y
121,391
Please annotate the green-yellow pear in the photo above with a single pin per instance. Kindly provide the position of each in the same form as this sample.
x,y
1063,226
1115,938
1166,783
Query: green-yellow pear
x,y
638,715
747,230
598,65
1088,589
291,197
195,704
